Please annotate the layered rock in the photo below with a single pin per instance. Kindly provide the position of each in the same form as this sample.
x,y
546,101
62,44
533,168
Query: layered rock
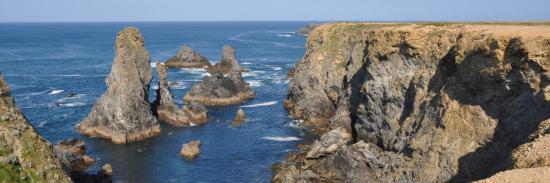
x,y
123,113
239,118
430,103
186,58
25,156
191,150
219,89
228,63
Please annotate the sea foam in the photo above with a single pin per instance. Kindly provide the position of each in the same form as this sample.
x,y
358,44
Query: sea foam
x,y
260,104
53,92
281,139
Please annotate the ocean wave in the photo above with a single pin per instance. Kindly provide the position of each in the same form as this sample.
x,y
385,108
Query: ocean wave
x,y
255,83
297,123
53,92
277,68
281,139
176,84
284,35
249,74
260,104
154,65
246,63
42,124
53,75
71,104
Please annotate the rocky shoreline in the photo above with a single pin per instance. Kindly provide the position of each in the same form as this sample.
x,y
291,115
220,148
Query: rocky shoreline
x,y
422,102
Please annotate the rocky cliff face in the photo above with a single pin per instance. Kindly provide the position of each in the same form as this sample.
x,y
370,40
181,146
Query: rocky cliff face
x,y
123,113
424,103
186,57
25,156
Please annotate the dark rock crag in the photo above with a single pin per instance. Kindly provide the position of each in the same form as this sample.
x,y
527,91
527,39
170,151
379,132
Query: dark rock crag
x,y
219,89
423,103
186,58
123,113
239,118
25,156
227,64
72,154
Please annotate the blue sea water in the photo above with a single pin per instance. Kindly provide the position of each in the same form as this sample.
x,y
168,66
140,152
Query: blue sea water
x,y
44,62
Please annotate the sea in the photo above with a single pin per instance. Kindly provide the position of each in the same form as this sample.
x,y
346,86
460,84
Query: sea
x,y
57,71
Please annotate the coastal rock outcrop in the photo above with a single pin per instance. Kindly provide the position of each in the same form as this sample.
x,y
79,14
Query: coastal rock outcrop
x,y
228,63
329,143
123,113
25,156
191,150
422,102
185,58
239,118
196,113
219,89
72,154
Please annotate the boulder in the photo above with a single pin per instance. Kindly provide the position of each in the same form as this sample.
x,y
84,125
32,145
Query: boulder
x,y
123,114
219,89
185,58
164,106
329,143
196,113
72,153
239,118
228,63
191,150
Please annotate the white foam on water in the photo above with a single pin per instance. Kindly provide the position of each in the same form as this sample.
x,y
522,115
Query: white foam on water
x,y
155,87
260,104
277,68
41,124
284,35
53,92
249,74
255,83
281,139
246,63
34,93
176,85
72,104
153,65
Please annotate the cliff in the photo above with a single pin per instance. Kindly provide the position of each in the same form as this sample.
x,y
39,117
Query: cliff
x,y
123,113
423,102
25,156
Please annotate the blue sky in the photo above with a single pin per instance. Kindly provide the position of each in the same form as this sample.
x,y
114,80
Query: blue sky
x,y
280,10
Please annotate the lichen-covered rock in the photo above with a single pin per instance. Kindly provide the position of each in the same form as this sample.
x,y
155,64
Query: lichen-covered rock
x,y
446,102
72,154
123,114
164,106
219,89
25,156
228,63
196,113
185,58
191,150
239,118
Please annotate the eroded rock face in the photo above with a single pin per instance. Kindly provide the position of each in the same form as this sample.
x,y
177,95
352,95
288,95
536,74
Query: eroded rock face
x,y
228,63
196,112
191,150
442,103
24,154
185,58
239,118
219,89
123,114
329,143
164,106
72,153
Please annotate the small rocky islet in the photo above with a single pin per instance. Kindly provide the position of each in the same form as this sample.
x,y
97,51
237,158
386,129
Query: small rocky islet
x,y
391,102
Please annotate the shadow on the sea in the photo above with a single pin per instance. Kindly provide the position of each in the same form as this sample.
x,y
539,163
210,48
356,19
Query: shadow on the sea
x,y
509,99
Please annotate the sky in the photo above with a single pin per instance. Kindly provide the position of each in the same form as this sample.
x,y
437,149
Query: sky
x,y
270,10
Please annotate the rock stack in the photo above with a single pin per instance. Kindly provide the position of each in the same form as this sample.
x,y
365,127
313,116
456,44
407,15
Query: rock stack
x,y
191,150
196,113
123,113
228,63
185,58
239,118
219,90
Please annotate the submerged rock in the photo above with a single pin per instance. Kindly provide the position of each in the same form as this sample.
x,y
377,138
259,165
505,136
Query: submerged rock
x,y
191,150
187,58
228,63
219,89
196,113
123,114
239,118
25,156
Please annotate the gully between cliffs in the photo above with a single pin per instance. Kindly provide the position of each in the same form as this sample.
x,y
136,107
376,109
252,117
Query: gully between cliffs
x,y
423,103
